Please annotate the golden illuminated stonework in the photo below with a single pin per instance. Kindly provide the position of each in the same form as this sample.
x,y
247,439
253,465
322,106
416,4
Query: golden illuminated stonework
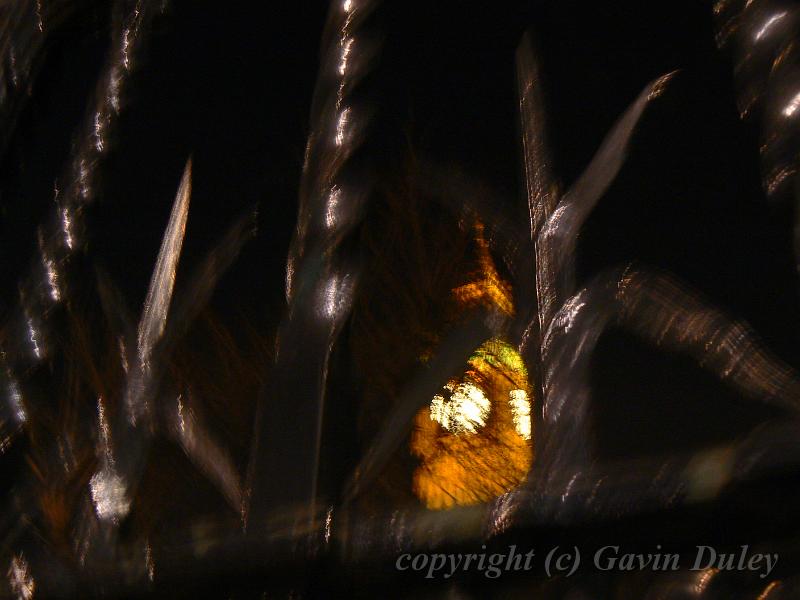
x,y
474,440
488,287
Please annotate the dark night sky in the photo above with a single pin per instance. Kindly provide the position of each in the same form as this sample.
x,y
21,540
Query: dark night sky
x,y
231,84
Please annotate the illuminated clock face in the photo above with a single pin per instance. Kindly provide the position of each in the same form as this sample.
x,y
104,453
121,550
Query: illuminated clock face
x,y
474,439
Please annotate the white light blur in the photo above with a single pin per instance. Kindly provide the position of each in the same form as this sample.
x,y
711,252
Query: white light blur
x,y
347,46
50,270
39,20
15,400
464,412
334,297
331,293
14,76
347,6
113,90
98,132
570,484
66,226
768,24
52,278
502,513
125,45
148,561
123,353
341,126
33,337
83,177
792,107
331,211
20,579
162,283
569,312
109,495
328,523
521,412
105,433
289,277
181,417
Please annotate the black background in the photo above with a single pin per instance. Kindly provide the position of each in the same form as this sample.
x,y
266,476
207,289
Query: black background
x,y
231,84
